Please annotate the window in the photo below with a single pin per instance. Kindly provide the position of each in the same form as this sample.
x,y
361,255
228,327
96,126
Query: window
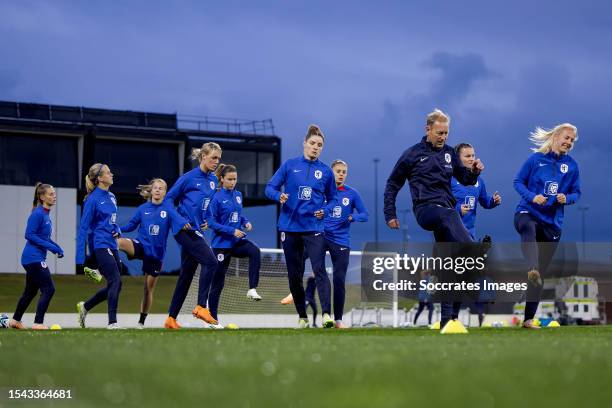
x,y
576,308
576,290
26,159
586,308
134,163
586,291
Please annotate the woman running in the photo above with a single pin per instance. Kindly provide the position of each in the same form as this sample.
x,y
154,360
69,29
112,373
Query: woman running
x,y
469,196
229,240
193,191
34,257
548,181
100,216
308,183
154,219
349,209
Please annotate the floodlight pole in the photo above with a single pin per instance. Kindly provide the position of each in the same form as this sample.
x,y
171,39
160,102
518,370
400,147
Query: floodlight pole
x,y
583,209
376,161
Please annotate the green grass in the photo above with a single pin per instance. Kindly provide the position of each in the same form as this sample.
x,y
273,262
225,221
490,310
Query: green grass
x,y
70,289
564,367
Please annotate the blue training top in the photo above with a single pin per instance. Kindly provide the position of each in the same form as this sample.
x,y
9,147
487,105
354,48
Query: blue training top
x,y
193,191
38,237
224,216
309,184
471,195
428,171
154,221
337,224
99,216
547,174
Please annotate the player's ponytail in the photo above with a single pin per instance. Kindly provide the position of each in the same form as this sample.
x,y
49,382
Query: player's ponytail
x,y
91,179
222,169
39,190
206,149
145,190
314,130
543,138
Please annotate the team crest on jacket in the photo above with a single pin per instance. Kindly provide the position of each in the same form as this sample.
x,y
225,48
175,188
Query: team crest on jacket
x,y
238,199
564,168
283,236
318,174
345,201
43,264
447,157
220,257
212,185
163,214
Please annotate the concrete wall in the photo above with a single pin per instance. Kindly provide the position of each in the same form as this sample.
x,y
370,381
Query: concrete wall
x,y
15,207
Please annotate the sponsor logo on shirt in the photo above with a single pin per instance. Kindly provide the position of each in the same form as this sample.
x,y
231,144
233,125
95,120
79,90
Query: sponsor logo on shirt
x,y
305,193
470,201
153,229
337,212
113,218
205,204
234,217
551,188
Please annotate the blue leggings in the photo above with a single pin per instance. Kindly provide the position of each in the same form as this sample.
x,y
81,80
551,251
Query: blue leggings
x,y
532,232
340,261
108,265
243,249
294,244
38,278
194,251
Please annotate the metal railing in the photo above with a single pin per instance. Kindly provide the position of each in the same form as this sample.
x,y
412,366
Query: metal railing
x,y
228,125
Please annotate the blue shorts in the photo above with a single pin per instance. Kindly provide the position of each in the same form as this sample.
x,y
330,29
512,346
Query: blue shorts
x,y
150,266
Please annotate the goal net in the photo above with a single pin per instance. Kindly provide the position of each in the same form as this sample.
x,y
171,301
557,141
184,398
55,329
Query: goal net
x,y
234,307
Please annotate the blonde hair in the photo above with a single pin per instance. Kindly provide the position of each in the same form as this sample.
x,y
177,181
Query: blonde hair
x,y
40,189
437,116
206,149
91,179
314,130
145,190
338,162
543,138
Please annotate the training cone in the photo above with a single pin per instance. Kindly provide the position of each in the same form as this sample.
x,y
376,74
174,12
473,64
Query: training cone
x,y
454,327
536,322
553,323
232,326
58,327
435,326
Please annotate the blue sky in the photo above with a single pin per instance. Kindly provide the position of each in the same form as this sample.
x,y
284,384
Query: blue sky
x,y
366,72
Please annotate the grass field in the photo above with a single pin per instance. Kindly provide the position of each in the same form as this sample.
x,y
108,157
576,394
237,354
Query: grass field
x,y
564,367
70,289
